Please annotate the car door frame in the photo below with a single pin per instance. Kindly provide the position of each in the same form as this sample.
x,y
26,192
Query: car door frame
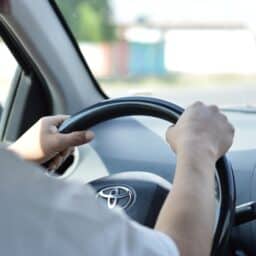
x,y
59,73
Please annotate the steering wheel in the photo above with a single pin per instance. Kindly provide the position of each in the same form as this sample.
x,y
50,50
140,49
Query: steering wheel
x,y
142,194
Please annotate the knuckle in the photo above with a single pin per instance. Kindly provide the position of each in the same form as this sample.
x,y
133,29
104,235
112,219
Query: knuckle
x,y
224,117
197,104
43,119
214,108
79,138
232,128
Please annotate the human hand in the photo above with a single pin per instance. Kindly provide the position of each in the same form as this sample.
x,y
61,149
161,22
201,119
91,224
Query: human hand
x,y
201,130
200,137
43,142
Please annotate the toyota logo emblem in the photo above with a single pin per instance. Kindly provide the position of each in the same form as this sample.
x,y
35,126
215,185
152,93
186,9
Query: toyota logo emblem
x,y
121,196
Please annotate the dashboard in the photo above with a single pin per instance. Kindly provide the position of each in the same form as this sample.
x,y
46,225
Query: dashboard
x,y
137,143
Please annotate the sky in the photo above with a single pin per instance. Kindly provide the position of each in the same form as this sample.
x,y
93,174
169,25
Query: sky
x,y
243,11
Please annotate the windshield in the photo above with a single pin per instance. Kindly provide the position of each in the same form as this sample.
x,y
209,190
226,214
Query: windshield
x,y
179,50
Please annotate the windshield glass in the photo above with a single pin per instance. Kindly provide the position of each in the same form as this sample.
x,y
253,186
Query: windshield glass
x,y
179,50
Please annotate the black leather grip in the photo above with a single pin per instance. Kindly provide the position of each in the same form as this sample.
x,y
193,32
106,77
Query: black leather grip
x,y
127,106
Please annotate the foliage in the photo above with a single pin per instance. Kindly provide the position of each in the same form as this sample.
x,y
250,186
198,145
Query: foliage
x,y
89,20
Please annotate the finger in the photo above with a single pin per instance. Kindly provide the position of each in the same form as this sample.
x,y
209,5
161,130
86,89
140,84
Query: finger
x,y
66,153
224,117
59,159
55,163
232,129
169,132
56,120
73,139
197,104
214,108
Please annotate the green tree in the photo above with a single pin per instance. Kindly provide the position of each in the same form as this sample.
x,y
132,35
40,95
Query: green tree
x,y
89,20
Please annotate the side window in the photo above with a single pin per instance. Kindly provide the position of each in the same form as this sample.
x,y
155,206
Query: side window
x,y
8,66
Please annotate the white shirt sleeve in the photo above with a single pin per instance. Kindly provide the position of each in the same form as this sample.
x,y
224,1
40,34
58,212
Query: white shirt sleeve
x,y
45,216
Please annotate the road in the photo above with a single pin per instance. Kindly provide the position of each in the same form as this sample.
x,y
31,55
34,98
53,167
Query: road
x,y
237,94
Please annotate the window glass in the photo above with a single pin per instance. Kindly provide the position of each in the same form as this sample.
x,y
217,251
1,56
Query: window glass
x,y
180,50
8,67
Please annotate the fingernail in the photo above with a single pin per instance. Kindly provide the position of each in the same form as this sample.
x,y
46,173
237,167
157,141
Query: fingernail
x,y
89,135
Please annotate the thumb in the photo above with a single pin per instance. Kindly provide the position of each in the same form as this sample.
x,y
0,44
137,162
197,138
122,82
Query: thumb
x,y
171,137
169,133
56,120
74,139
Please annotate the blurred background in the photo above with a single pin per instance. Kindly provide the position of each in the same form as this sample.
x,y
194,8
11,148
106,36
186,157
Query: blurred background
x,y
180,50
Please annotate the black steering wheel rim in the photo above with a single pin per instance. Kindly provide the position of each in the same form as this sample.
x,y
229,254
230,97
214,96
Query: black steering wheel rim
x,y
147,106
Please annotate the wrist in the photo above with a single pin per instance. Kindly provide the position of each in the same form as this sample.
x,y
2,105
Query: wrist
x,y
198,159
197,146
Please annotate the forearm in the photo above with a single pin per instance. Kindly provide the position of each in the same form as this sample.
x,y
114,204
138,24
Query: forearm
x,y
188,213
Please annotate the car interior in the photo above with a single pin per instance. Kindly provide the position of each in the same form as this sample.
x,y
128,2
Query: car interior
x,y
52,76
